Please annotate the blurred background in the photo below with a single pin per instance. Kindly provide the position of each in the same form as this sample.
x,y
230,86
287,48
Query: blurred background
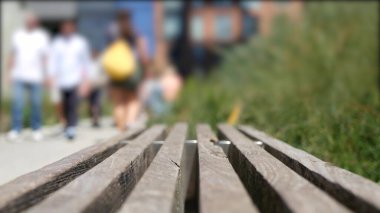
x,y
305,72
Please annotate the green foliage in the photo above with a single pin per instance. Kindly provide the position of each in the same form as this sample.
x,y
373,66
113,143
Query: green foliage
x,y
311,83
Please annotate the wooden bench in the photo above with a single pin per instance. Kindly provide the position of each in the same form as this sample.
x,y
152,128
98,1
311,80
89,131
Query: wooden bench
x,y
159,169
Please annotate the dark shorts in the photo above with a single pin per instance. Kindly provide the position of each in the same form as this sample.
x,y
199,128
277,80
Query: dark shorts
x,y
94,97
131,83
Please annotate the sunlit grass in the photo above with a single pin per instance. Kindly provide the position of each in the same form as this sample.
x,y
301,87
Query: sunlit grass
x,y
312,84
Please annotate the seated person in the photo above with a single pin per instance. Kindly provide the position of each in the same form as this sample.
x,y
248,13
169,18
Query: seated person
x,y
160,89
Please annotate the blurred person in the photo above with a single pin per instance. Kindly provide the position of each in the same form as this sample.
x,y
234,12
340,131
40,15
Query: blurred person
x,y
161,89
26,66
124,93
97,81
68,70
56,100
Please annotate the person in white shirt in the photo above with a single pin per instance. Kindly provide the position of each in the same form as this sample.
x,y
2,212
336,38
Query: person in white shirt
x,y
26,71
68,69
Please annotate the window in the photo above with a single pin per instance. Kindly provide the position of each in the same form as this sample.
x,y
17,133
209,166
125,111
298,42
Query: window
x,y
223,27
196,28
250,25
172,27
172,19
170,6
222,3
251,5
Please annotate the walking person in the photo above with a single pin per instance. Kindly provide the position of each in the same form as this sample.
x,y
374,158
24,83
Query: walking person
x,y
68,69
97,80
124,61
26,71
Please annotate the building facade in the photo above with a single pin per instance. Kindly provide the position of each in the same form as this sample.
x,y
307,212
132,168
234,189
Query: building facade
x,y
192,29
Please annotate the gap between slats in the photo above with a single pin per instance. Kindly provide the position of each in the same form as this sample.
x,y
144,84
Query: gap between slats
x,y
24,198
336,191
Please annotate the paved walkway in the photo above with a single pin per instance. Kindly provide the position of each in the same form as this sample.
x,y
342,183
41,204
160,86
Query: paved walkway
x,y
25,156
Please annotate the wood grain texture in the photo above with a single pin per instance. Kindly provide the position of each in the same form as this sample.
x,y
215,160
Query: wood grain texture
x,y
354,191
156,191
220,187
273,186
104,187
29,189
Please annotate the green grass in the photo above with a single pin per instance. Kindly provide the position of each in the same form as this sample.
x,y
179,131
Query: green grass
x,y
312,84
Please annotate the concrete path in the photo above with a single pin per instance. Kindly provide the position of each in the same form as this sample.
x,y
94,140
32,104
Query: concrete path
x,y
18,158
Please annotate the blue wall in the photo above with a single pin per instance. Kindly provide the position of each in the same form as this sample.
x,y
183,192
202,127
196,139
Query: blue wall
x,y
93,21
142,19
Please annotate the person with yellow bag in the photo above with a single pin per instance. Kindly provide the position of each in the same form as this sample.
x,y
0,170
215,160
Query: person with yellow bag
x,y
123,61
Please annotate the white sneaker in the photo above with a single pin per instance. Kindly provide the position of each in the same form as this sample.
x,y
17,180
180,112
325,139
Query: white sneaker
x,y
70,133
37,135
13,135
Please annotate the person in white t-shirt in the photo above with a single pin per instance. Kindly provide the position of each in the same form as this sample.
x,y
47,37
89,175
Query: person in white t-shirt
x,y
69,61
26,74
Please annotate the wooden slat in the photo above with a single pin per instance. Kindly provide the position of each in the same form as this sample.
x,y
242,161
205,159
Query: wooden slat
x,y
29,189
356,192
220,187
273,186
156,191
104,187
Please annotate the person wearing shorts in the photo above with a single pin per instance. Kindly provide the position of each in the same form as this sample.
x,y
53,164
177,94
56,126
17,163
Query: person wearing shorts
x,y
124,93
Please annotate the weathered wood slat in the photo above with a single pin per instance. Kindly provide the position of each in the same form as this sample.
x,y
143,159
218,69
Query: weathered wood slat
x,y
156,191
104,187
220,187
108,177
29,189
356,192
273,186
